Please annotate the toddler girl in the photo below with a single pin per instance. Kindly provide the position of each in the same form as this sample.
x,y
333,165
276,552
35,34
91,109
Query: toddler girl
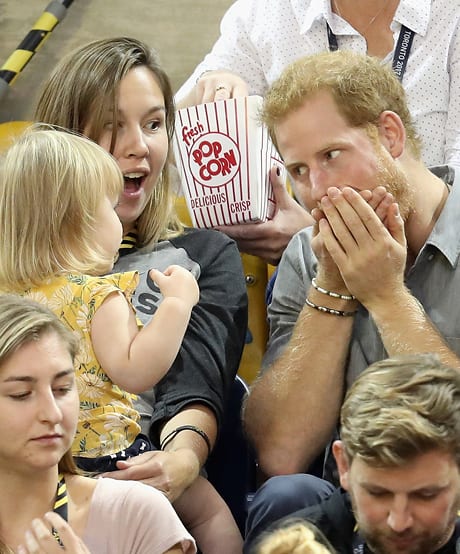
x,y
60,234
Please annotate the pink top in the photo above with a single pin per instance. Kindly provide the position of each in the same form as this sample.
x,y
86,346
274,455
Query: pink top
x,y
130,517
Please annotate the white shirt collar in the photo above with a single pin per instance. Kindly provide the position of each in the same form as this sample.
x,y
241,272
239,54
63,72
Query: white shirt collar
x,y
315,10
414,14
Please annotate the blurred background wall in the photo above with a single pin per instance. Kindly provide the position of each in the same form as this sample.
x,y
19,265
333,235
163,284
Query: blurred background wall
x,y
182,31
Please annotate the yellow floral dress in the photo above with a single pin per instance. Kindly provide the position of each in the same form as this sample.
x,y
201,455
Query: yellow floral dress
x,y
108,422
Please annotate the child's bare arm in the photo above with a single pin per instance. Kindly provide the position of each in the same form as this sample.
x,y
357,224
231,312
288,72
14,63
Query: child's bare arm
x,y
137,359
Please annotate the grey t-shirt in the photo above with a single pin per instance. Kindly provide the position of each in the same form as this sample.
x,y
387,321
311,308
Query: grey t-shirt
x,y
434,280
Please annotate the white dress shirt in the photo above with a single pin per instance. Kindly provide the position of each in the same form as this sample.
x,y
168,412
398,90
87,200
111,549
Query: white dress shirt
x,y
259,38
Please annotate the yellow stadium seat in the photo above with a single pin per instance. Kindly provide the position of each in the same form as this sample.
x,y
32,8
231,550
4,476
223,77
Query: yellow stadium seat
x,y
10,130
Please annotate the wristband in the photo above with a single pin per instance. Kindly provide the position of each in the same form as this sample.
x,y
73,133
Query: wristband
x,y
331,293
172,435
327,310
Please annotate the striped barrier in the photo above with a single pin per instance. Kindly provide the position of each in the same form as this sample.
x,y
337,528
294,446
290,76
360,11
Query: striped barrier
x,y
53,14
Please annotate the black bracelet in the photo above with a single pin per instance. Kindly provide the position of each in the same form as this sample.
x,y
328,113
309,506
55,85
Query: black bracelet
x,y
172,435
327,310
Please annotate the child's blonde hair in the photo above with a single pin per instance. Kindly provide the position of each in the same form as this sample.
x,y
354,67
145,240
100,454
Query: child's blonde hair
x,y
51,185
296,537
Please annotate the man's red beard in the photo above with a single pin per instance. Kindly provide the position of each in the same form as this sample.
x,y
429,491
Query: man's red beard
x,y
390,176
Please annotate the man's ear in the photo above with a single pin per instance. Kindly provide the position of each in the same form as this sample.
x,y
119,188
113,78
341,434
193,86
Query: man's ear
x,y
342,463
392,133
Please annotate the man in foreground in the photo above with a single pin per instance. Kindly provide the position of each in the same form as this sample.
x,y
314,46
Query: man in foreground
x,y
398,461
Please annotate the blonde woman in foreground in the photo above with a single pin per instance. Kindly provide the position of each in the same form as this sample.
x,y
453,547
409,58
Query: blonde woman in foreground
x,y
45,506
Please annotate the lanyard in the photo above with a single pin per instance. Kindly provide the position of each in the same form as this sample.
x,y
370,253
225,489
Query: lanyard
x,y
402,50
60,504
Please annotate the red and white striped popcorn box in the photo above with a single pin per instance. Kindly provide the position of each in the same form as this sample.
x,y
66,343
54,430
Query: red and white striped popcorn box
x,y
224,155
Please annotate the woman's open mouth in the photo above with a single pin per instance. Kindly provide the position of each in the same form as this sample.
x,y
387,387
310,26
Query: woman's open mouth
x,y
133,183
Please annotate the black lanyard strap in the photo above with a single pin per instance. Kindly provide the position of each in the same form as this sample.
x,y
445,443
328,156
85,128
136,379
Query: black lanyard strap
x,y
402,50
60,504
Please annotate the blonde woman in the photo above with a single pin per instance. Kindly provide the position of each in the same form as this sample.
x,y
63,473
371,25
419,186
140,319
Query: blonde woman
x,y
116,93
45,505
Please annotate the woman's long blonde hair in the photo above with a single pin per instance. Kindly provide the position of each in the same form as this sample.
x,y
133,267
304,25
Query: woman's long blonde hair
x,y
51,186
77,95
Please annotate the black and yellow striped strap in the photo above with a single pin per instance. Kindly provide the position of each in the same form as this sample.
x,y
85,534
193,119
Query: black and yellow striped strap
x,y
60,504
128,244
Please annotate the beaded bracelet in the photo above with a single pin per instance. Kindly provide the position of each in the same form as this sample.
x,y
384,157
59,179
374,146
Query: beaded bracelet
x,y
172,435
327,310
331,293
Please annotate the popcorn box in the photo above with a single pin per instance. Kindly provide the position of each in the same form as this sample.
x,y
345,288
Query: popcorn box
x,y
224,155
